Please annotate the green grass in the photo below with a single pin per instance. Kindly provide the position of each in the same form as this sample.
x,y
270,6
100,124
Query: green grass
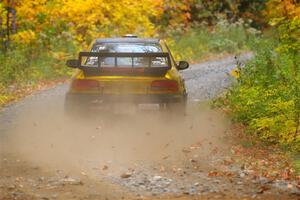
x,y
23,66
202,42
296,163
266,96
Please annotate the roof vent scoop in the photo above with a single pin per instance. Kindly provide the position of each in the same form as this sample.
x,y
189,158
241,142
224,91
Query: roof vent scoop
x,y
130,36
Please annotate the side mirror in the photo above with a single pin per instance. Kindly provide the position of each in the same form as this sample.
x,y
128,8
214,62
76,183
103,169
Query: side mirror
x,y
73,63
183,65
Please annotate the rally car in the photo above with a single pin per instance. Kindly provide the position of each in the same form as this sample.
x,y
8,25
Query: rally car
x,y
128,69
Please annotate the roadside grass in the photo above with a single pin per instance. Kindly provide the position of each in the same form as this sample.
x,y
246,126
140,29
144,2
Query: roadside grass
x,y
25,69
296,163
205,42
266,99
248,143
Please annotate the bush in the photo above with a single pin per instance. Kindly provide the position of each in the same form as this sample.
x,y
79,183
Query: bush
x,y
266,96
27,65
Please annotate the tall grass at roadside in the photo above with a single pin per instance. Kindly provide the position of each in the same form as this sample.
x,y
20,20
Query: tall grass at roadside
x,y
204,41
266,96
27,65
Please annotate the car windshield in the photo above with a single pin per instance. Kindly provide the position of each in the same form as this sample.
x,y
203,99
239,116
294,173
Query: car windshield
x,y
127,47
127,61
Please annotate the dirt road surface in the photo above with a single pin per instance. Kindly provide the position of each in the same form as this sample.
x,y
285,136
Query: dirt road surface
x,y
140,155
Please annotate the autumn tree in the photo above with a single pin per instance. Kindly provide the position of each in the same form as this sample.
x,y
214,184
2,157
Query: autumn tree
x,y
85,19
7,22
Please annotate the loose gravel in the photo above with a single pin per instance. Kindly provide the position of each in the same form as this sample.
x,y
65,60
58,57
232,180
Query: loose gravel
x,y
206,80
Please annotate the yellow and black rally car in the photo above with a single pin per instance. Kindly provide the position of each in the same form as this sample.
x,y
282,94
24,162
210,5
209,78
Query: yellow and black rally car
x,y
126,70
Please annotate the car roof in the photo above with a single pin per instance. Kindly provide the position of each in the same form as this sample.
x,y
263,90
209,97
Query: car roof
x,y
127,40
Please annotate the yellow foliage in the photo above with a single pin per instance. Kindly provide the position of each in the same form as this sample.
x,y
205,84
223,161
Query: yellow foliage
x,y
235,73
285,15
89,19
29,10
4,98
24,37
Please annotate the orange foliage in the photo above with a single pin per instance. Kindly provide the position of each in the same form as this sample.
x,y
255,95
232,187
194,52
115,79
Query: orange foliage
x,y
279,10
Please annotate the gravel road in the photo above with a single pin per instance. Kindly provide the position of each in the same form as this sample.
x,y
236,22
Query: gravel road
x,y
206,80
137,156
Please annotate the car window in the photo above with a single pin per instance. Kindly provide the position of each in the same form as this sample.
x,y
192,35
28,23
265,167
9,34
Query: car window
x,y
127,61
127,47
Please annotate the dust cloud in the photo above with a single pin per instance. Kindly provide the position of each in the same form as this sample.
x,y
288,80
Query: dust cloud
x,y
45,136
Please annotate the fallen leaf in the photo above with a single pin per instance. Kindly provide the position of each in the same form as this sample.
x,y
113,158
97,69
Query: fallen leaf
x,y
262,189
212,173
286,174
215,173
126,175
165,157
228,162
